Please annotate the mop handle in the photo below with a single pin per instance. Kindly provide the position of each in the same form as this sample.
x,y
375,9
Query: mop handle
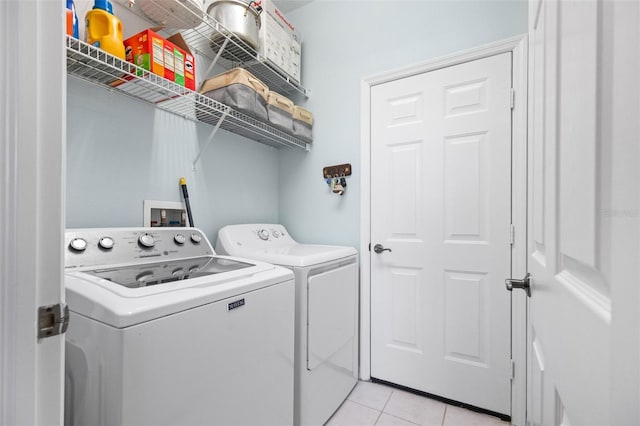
x,y
183,184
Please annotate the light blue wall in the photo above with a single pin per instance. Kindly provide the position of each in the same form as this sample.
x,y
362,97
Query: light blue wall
x,y
121,152
344,41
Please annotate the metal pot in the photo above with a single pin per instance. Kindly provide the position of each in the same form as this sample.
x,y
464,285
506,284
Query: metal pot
x,y
239,17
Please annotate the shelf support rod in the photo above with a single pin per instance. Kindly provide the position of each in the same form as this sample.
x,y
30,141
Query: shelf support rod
x,y
215,60
213,133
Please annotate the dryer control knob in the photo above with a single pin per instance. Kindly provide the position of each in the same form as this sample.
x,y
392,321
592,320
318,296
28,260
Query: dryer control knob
x,y
179,239
276,234
263,234
146,240
196,238
78,244
106,243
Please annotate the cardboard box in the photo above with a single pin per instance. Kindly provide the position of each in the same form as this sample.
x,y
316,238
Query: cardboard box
x,y
169,58
279,41
189,71
146,50
179,63
169,61
188,60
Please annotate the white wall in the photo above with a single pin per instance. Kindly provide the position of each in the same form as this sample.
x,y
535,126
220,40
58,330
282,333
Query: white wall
x,y
344,41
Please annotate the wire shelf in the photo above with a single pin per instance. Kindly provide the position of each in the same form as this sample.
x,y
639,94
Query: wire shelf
x,y
92,64
208,39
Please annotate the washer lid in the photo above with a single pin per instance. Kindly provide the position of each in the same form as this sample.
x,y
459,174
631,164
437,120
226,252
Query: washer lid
x,y
148,274
94,294
299,255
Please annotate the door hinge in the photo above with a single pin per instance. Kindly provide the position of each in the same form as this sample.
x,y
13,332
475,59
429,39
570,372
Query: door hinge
x,y
513,369
513,98
512,233
52,320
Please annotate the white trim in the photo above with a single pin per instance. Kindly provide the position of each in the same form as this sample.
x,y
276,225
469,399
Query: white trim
x,y
492,49
519,219
365,231
32,141
518,47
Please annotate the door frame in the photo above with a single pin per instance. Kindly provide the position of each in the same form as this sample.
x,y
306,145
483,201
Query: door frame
x,y
518,47
32,142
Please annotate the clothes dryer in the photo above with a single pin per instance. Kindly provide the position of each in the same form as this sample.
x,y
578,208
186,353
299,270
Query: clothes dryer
x,y
326,326
164,332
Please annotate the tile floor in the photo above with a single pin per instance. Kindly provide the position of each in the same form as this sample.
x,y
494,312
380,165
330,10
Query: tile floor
x,y
375,404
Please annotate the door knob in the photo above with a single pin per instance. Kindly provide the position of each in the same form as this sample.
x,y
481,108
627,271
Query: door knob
x,y
524,284
379,248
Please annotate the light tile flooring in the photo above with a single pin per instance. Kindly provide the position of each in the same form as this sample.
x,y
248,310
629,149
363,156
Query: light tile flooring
x,y
375,404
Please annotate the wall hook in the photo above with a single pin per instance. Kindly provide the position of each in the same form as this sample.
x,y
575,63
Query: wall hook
x,y
335,177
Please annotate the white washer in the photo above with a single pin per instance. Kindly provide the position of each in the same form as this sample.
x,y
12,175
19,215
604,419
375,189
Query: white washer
x,y
326,353
164,332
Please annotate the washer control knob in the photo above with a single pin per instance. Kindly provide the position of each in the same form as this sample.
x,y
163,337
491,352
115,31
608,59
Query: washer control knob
x,y
146,240
78,244
179,239
106,243
263,234
196,238
276,234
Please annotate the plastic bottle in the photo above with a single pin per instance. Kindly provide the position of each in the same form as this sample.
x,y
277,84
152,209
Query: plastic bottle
x,y
72,19
104,29
69,22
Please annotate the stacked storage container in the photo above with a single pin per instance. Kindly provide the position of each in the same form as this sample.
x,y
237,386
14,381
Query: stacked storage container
x,y
302,124
240,90
280,111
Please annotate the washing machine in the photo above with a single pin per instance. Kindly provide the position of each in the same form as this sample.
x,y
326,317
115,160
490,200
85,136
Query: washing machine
x,y
163,331
326,327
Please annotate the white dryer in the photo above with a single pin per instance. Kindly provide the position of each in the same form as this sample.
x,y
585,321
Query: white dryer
x,y
326,327
164,332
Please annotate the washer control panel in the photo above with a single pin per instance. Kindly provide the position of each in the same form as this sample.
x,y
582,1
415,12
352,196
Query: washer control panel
x,y
110,246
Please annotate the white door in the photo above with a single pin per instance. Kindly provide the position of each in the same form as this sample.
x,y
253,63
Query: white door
x,y
32,110
583,213
441,180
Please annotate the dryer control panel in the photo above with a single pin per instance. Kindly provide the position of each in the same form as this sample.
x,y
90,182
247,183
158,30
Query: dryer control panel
x,y
113,246
274,233
272,243
254,236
